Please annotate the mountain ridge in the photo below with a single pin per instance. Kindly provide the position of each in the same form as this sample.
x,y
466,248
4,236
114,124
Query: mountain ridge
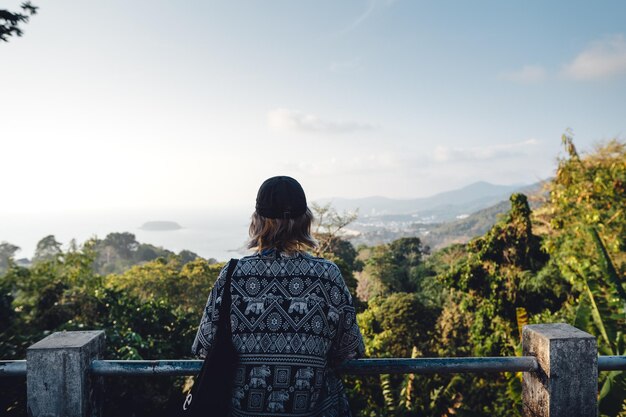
x,y
443,206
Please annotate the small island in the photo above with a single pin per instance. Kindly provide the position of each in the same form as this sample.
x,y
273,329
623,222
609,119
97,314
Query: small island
x,y
160,226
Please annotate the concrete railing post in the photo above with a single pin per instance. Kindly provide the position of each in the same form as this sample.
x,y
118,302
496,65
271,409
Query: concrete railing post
x,y
566,384
57,375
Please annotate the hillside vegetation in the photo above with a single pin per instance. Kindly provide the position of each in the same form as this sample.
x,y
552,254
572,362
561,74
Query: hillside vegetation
x,y
563,262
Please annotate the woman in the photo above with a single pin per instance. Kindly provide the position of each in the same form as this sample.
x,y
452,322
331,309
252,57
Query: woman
x,y
292,316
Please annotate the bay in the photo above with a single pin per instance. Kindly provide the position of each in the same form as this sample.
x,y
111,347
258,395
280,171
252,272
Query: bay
x,y
219,234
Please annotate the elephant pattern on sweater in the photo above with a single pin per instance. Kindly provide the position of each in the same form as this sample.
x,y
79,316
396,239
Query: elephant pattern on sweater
x,y
276,401
255,305
258,375
303,378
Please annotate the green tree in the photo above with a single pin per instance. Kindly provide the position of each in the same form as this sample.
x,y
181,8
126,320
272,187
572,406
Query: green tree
x,y
187,256
397,325
393,267
501,274
328,230
7,253
118,252
329,226
150,311
586,237
184,287
10,21
125,244
47,248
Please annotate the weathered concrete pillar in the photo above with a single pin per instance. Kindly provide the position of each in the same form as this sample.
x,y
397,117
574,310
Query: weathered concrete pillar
x,y
566,384
58,383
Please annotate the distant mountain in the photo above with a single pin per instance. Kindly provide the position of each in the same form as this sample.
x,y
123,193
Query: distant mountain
x,y
478,223
463,230
445,222
441,207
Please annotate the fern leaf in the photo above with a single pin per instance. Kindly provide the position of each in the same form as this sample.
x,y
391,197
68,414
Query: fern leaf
x,y
385,385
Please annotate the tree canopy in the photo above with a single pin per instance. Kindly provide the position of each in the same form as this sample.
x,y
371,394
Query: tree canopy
x,y
10,22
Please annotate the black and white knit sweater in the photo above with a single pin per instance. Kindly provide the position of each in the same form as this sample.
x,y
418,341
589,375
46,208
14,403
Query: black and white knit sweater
x,y
292,318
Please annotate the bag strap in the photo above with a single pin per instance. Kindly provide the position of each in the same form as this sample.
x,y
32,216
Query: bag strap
x,y
226,297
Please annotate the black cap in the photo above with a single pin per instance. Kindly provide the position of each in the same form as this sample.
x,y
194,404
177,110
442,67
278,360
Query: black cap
x,y
281,198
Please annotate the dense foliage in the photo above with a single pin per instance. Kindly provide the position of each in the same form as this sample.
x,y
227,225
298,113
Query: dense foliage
x,y
564,262
149,311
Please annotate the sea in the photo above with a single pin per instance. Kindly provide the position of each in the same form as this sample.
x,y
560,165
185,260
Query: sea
x,y
211,233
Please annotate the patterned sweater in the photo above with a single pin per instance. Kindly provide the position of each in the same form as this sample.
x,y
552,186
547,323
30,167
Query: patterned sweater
x,y
292,319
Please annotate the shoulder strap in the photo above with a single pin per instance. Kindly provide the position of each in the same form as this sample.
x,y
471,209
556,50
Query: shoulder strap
x,y
226,297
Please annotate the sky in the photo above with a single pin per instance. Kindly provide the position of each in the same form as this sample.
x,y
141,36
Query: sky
x,y
162,104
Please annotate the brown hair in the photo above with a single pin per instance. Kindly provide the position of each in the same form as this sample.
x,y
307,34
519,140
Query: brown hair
x,y
289,235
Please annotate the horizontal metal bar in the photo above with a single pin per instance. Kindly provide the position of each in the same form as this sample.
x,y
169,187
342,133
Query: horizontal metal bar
x,y
12,368
17,368
158,367
439,365
354,367
611,363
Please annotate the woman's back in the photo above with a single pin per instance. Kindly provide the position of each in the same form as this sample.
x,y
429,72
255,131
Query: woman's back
x,y
291,317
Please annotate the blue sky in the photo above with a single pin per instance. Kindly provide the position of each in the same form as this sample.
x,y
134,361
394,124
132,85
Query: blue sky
x,y
122,104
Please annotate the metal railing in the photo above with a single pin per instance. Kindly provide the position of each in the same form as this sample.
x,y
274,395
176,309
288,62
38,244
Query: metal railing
x,y
560,371
353,367
13,368
182,367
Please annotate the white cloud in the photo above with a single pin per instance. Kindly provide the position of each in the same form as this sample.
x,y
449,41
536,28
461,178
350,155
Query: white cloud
x,y
601,59
528,74
294,120
448,154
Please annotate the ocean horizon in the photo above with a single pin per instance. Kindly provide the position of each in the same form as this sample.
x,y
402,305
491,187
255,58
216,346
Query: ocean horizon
x,y
218,234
